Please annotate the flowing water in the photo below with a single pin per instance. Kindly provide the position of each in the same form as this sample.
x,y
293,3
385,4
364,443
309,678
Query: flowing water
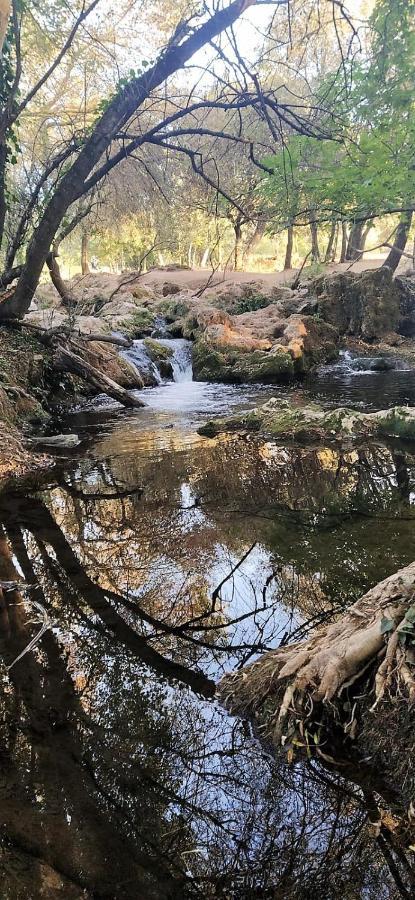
x,y
155,560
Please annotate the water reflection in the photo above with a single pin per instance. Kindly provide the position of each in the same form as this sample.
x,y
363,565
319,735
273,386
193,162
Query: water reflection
x,y
120,777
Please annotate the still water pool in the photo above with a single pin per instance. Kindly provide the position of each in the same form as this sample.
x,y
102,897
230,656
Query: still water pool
x,y
156,560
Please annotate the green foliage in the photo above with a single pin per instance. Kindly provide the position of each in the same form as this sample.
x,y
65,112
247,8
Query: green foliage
x,y
250,304
370,169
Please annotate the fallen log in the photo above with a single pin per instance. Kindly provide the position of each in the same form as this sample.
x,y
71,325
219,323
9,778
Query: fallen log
x,y
117,339
49,335
66,361
301,683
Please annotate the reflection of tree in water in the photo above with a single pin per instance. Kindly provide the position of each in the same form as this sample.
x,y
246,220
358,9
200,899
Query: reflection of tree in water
x,y
118,779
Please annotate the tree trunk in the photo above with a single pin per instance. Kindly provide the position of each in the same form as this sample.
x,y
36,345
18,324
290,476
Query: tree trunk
x,y
237,253
356,243
84,253
66,361
3,201
205,258
253,243
57,280
329,249
75,182
335,245
288,262
315,250
343,250
365,234
394,257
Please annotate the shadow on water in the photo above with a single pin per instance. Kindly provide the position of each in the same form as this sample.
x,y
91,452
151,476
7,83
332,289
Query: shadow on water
x,y
157,561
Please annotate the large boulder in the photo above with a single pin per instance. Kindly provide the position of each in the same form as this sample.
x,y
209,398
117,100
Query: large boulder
x,y
236,354
406,286
58,317
265,323
231,365
365,304
229,338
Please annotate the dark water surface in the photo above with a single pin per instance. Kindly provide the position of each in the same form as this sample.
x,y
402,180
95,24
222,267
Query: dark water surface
x,y
155,561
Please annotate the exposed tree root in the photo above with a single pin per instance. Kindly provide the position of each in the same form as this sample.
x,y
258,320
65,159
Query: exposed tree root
x,y
283,687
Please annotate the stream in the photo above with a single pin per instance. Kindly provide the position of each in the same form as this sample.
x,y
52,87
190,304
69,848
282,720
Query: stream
x,y
156,560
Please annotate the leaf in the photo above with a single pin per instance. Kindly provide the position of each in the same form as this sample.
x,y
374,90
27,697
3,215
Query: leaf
x,y
386,625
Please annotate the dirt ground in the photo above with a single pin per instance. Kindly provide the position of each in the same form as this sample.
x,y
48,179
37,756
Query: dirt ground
x,y
194,279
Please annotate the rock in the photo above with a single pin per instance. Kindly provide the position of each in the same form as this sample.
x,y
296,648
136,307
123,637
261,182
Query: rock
x,y
224,336
230,365
235,355
372,364
263,323
135,321
280,420
106,359
406,324
55,318
365,304
59,441
200,316
161,356
156,350
169,288
16,460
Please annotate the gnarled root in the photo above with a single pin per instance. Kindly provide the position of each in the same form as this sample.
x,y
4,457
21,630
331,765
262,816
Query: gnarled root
x,y
282,687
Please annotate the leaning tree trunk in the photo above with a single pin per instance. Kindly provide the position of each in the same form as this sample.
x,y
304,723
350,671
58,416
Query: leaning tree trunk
x,y
57,280
394,257
78,179
288,262
84,253
283,688
315,250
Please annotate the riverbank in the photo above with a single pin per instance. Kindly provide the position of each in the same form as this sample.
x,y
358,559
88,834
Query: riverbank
x,y
120,339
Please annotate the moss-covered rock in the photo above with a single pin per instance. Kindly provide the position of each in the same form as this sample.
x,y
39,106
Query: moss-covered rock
x,y
309,424
156,350
140,322
231,365
161,356
235,354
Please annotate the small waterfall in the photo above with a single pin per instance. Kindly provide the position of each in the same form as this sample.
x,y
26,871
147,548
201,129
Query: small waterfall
x,y
181,360
139,357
